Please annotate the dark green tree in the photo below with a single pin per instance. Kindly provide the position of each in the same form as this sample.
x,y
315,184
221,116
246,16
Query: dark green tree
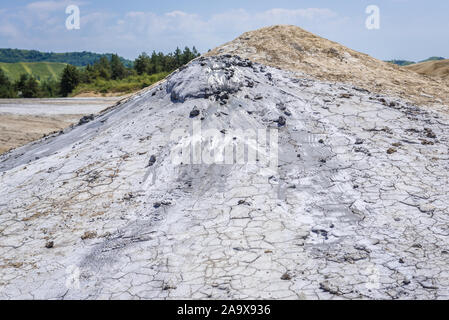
x,y
118,70
6,88
102,68
195,52
142,64
69,80
49,88
178,57
27,86
187,55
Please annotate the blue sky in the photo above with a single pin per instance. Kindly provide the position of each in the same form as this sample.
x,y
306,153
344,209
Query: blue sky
x,y
409,29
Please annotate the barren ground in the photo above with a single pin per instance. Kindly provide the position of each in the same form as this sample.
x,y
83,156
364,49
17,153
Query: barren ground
x,y
439,69
356,208
292,48
25,120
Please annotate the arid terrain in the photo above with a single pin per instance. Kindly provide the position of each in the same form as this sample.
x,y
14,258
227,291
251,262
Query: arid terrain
x,y
341,194
292,48
26,120
437,69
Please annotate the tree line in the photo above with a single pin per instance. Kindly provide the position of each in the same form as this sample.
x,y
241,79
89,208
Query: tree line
x,y
79,59
107,69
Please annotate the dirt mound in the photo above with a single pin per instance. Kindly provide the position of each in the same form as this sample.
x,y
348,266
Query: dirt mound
x,y
438,68
292,48
232,180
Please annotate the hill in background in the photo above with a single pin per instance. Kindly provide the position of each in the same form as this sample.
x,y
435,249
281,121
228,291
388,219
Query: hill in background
x,y
434,68
403,63
79,59
40,70
433,59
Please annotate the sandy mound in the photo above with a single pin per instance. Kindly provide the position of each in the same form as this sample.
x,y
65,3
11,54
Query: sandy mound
x,y
292,48
438,68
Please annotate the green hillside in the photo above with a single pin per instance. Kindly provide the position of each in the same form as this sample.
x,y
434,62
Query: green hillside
x,y
40,70
79,59
433,59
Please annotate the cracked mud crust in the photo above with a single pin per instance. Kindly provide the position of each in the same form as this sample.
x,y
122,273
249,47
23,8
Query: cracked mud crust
x,y
84,216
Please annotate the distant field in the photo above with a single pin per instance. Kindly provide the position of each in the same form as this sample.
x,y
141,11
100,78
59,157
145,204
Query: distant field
x,y
40,70
25,120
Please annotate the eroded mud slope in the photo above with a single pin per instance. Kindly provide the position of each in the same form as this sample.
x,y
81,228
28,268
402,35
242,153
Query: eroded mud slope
x,y
357,207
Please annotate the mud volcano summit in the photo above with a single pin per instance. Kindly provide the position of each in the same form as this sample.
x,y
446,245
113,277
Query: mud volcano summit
x,y
355,206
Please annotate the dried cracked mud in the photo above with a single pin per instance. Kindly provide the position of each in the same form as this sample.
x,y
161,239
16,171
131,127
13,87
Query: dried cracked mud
x,y
356,209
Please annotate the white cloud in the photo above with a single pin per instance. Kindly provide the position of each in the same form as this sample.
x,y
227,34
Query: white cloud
x,y
176,14
51,6
9,31
129,33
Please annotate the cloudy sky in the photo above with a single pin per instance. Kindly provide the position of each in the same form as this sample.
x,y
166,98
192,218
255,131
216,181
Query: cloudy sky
x,y
410,29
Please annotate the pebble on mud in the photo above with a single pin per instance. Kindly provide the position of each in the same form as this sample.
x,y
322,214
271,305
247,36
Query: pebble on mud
x,y
89,235
286,277
391,151
152,161
194,113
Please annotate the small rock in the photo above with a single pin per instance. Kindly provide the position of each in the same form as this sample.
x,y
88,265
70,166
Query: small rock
x,y
157,205
128,196
89,235
430,133
359,141
427,143
49,244
426,208
391,151
195,112
152,161
392,104
281,121
86,119
327,287
286,277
